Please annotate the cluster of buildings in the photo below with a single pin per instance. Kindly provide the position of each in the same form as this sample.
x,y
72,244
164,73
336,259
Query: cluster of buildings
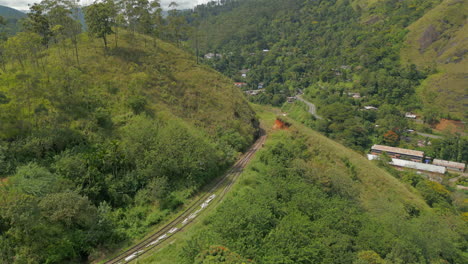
x,y
244,72
370,107
210,56
415,159
355,95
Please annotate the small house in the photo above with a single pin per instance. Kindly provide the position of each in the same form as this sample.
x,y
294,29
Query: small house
x,y
240,84
369,107
291,99
244,72
410,115
355,95
210,55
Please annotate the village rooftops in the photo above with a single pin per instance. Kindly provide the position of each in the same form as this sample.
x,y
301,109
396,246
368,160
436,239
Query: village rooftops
x,y
409,152
212,55
254,92
449,164
412,164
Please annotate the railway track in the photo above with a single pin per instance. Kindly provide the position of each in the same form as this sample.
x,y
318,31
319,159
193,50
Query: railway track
x,y
215,194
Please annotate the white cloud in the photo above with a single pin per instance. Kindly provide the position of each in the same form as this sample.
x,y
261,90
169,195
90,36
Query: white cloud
x,y
23,4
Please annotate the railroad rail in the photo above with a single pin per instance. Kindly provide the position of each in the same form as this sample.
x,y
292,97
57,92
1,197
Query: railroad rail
x,y
224,184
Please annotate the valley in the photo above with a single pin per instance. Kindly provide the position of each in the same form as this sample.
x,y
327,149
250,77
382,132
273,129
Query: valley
x,y
234,131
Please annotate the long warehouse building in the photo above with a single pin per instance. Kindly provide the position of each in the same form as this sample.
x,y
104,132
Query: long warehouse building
x,y
398,153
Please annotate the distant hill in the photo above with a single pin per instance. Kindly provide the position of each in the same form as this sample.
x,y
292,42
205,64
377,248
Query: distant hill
x,y
11,13
12,16
361,46
438,40
138,94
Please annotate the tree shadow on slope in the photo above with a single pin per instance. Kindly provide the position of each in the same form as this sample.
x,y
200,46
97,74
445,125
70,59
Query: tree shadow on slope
x,y
134,55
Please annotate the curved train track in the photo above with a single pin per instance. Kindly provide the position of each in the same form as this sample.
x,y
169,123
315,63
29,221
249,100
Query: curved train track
x,y
223,185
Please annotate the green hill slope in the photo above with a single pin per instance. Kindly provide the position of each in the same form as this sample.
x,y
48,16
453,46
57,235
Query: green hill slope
x,y
344,56
308,199
438,40
10,13
97,151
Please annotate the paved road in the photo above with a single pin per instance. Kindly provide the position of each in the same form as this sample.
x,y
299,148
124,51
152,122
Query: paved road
x,y
312,108
214,195
313,111
463,175
429,135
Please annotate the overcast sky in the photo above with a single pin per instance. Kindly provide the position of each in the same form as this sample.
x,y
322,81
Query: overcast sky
x,y
23,4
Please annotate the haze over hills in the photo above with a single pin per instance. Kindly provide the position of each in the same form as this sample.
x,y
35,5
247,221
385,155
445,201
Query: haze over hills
x,y
137,126
10,13
438,40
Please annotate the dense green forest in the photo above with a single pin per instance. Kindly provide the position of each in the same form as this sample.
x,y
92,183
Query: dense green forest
x,y
307,199
110,129
331,50
98,143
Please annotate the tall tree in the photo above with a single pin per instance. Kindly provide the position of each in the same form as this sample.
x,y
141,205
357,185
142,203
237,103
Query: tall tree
x,y
39,23
157,20
176,23
99,17
61,16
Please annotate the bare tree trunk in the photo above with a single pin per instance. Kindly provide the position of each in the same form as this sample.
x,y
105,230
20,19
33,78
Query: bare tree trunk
x,y
105,42
116,36
75,43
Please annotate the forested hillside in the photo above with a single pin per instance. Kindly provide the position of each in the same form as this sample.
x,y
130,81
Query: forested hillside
x,y
344,56
438,40
100,143
307,199
108,131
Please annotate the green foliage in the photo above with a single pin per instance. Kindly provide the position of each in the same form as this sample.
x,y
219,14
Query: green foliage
x,y
38,22
453,147
218,254
327,49
99,18
369,257
301,201
137,104
298,111
434,193
98,146
34,180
